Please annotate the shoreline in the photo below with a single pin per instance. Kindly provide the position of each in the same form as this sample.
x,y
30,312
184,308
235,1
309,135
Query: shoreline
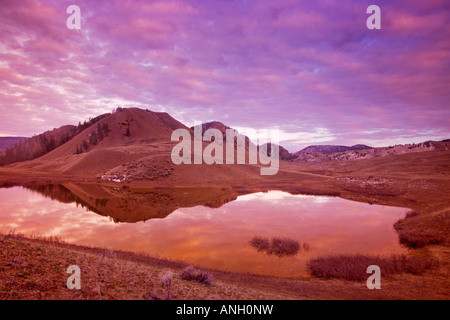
x,y
416,181
36,269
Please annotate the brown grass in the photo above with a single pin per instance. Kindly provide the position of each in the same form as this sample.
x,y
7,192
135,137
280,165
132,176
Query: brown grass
x,y
413,235
418,239
13,234
33,269
354,267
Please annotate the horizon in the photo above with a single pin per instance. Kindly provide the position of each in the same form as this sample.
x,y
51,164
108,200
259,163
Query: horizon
x,y
312,70
254,131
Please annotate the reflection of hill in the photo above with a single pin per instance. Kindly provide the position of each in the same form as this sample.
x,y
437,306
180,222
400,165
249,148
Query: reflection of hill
x,y
137,204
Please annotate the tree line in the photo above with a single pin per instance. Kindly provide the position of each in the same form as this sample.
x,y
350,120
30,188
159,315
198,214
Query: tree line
x,y
41,144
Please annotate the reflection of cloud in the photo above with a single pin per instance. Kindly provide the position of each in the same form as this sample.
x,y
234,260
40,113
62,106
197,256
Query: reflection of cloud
x,y
321,199
270,196
275,196
217,238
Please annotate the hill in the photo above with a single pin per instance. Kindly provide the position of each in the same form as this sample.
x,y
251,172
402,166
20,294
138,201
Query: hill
x,y
135,145
37,146
283,153
116,139
319,154
332,148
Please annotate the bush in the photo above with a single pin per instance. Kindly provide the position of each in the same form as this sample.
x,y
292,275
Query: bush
x,y
280,247
260,244
419,239
192,274
354,267
416,236
284,247
166,280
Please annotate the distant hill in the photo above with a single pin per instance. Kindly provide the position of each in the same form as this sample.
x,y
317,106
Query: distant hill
x,y
6,142
332,148
331,153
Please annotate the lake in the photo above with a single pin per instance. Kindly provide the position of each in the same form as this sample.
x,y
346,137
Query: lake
x,y
217,238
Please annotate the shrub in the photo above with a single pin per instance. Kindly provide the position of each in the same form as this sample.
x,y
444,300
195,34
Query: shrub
x,y
166,280
284,247
417,239
108,253
411,214
417,236
192,274
354,267
280,247
306,246
260,244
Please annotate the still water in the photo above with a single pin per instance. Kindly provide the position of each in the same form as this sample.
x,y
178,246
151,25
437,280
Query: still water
x,y
218,238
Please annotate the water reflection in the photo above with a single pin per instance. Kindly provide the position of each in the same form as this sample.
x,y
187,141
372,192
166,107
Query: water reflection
x,y
137,204
205,236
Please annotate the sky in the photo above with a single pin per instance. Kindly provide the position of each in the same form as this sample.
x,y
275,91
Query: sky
x,y
311,69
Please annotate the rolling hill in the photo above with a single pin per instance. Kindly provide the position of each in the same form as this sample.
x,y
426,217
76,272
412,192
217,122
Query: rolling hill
x,y
37,146
135,145
332,148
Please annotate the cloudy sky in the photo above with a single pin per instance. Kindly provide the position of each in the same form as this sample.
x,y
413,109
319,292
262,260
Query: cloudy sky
x,y
312,69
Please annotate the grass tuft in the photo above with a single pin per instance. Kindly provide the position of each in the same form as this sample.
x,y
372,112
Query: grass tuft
x,y
192,274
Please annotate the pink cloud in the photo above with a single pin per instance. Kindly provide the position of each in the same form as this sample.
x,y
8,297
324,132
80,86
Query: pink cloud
x,y
286,63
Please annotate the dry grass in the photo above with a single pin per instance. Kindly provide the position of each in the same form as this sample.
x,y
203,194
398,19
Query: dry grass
x,y
417,239
13,234
414,235
35,269
354,267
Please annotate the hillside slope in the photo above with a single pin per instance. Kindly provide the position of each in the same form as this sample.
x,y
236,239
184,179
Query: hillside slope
x,y
122,137
37,146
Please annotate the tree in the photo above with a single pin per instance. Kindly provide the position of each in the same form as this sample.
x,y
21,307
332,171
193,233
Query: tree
x,y
106,129
85,145
51,144
99,132
93,140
